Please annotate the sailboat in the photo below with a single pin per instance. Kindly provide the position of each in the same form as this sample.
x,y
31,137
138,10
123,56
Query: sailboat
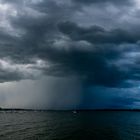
x,y
74,111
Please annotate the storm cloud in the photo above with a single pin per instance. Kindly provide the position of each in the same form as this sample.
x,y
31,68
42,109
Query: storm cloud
x,y
95,41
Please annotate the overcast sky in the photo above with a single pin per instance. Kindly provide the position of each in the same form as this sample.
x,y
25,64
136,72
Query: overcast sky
x,y
68,54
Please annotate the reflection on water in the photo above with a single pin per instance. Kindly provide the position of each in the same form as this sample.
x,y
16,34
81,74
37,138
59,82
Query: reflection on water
x,y
70,126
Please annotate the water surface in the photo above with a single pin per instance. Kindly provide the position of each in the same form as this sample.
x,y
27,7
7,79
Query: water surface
x,y
66,125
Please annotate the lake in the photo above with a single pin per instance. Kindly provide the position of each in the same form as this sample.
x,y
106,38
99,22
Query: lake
x,y
66,125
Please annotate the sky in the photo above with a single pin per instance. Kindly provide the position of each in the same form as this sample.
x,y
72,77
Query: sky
x,y
74,54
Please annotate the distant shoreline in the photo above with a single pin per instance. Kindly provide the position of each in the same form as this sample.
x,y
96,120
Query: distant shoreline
x,y
77,110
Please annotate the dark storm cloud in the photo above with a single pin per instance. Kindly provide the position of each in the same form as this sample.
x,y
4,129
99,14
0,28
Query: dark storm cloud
x,y
86,52
44,30
98,35
95,65
39,27
120,2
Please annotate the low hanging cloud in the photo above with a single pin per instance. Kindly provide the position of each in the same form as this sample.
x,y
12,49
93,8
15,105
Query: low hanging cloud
x,y
14,72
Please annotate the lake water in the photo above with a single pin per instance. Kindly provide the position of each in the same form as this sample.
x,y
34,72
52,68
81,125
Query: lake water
x,y
70,126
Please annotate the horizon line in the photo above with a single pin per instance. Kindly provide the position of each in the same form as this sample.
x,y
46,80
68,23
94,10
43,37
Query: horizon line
x,y
101,109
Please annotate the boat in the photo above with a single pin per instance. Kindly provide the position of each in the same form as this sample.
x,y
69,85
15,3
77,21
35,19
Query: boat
x,y
74,111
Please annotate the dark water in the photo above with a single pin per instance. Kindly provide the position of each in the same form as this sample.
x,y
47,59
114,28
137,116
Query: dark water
x,y
70,126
